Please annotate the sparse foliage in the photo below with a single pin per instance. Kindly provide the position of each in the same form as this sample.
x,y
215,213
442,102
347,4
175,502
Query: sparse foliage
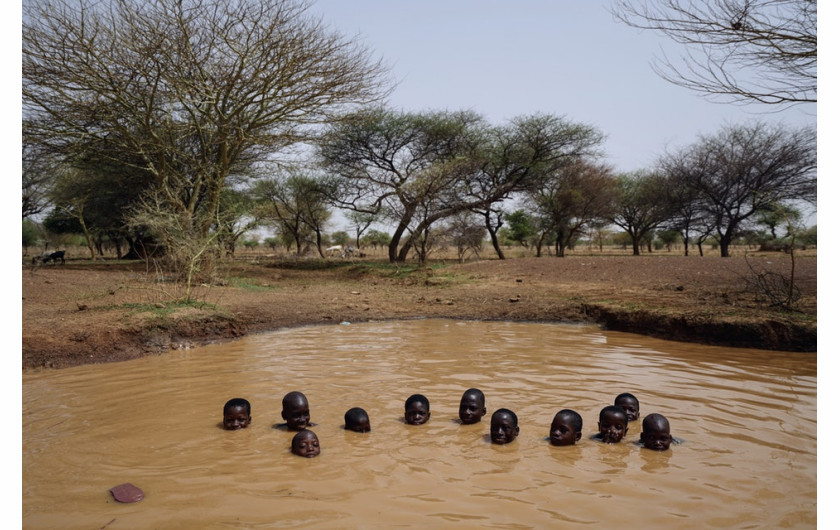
x,y
743,50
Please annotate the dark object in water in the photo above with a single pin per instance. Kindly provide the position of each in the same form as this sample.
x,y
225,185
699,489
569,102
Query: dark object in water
x,y
127,493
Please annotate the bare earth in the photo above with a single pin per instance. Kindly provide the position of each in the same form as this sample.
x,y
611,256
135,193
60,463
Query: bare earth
x,y
86,312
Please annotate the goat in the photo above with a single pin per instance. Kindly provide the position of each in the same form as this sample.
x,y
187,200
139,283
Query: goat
x,y
46,258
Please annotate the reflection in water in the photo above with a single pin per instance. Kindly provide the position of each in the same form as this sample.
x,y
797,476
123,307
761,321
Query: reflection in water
x,y
748,419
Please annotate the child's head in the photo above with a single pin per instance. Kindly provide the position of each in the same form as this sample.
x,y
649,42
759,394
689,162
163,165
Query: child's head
x,y
305,443
566,428
472,406
630,404
656,432
295,411
417,409
612,424
504,426
356,420
236,414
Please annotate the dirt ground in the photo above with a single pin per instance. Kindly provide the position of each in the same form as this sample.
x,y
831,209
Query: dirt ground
x,y
91,312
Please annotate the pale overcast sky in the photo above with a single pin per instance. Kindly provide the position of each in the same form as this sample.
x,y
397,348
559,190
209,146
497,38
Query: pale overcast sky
x,y
567,57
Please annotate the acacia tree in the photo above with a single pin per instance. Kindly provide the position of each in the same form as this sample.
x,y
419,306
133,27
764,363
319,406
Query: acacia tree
x,y
744,50
190,90
297,204
744,170
574,195
421,168
641,205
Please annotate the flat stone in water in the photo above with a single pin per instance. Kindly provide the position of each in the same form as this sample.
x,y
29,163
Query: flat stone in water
x,y
127,493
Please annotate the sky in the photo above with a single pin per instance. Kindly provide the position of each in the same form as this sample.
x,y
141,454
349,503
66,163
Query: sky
x,y
564,57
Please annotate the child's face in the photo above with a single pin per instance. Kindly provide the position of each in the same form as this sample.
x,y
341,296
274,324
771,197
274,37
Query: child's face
x,y
236,418
359,426
502,429
416,413
630,406
612,427
562,432
471,410
657,438
296,415
306,445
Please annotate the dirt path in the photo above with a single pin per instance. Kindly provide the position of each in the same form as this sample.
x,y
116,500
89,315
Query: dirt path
x,y
85,312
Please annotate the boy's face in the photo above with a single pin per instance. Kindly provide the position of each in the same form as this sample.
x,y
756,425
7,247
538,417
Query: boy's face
x,y
236,418
630,406
657,438
562,432
612,427
502,429
359,425
306,445
471,409
296,415
416,413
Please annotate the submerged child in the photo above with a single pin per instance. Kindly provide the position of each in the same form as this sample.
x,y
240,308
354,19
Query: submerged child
x,y
295,412
504,426
612,424
305,443
472,408
357,420
417,409
630,404
566,428
656,432
236,414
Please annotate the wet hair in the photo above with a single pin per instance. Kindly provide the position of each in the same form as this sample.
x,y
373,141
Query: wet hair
x,y
293,398
417,397
474,392
576,420
625,395
612,409
510,413
654,422
355,416
237,403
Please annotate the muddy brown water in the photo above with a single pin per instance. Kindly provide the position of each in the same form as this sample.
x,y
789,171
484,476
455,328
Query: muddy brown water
x,y
748,418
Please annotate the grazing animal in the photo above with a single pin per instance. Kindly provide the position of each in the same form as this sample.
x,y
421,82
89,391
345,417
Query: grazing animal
x,y
334,250
46,258
349,251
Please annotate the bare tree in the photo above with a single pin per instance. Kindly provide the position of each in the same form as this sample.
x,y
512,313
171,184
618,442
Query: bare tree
x,y
191,91
744,170
742,50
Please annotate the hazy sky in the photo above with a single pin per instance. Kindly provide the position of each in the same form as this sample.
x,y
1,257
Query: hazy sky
x,y
567,57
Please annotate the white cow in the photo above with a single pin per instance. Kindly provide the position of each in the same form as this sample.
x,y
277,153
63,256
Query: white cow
x,y
335,250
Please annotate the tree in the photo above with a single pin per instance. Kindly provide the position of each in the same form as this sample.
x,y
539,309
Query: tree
x,y
574,195
297,204
466,234
361,222
641,205
744,50
521,227
189,91
778,215
420,168
37,173
744,170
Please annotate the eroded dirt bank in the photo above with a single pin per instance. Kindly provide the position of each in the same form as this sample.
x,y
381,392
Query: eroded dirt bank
x,y
89,313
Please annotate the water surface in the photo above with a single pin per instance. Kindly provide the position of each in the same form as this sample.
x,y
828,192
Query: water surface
x,y
748,418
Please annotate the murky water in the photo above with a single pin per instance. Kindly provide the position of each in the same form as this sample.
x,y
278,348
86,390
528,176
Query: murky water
x,y
748,418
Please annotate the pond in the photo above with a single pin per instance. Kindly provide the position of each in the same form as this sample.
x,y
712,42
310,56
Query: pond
x,y
748,419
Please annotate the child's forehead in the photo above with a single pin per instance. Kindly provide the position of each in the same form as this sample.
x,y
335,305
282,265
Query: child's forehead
x,y
235,408
627,399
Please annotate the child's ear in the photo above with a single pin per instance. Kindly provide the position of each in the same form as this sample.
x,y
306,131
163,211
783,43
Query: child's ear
x,y
642,437
283,415
483,411
517,430
577,436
